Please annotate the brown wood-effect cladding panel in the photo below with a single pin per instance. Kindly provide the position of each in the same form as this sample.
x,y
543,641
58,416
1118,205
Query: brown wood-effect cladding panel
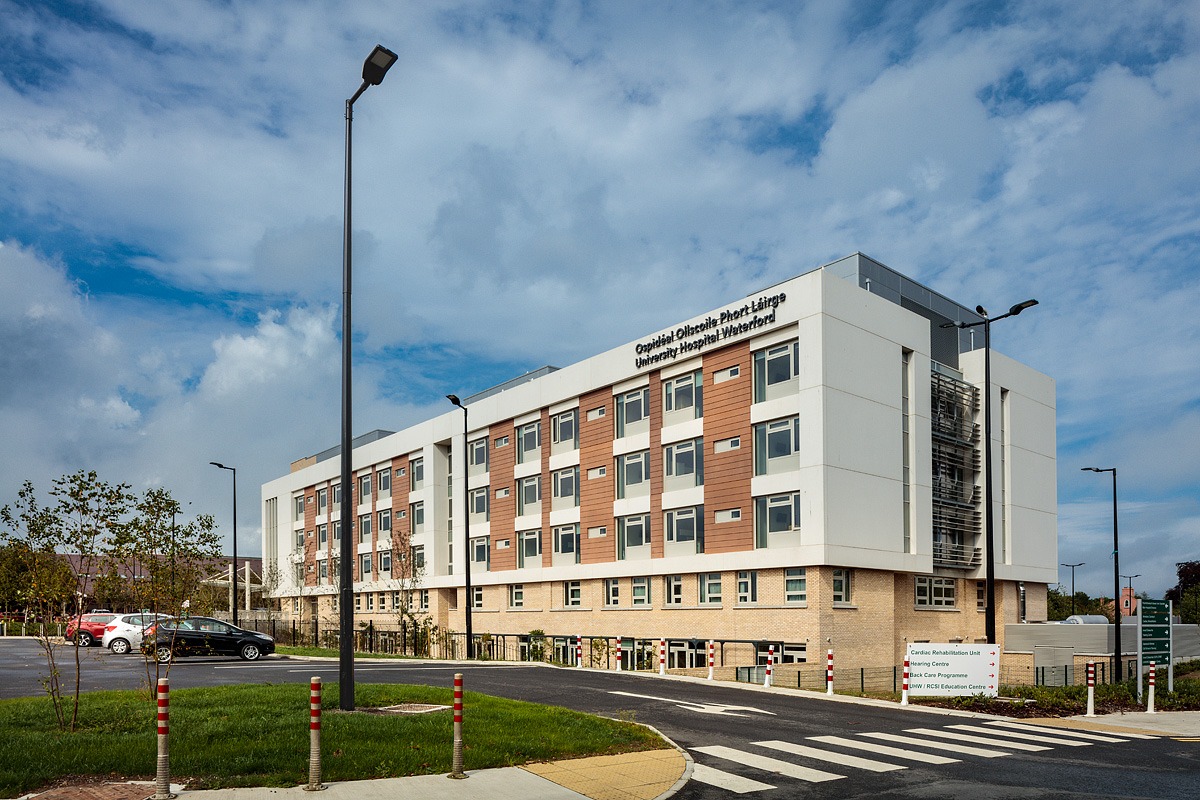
x,y
596,495
501,466
547,488
727,475
310,542
401,526
656,466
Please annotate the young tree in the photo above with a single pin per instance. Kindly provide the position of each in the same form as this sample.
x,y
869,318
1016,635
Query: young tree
x,y
1186,593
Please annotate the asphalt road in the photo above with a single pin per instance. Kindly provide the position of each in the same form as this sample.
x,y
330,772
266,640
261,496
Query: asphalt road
x,y
743,742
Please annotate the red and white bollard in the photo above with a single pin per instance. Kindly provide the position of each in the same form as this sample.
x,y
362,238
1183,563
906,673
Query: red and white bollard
x,y
1091,683
162,775
904,686
770,664
620,652
712,661
579,651
456,763
829,672
314,735
662,656
1150,697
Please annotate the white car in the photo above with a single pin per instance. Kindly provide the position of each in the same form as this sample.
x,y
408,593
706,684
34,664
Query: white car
x,y
123,634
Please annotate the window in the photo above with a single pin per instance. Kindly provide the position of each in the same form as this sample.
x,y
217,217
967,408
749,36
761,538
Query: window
x,y
364,529
934,592
710,588
417,513
358,602
681,397
529,495
416,476
370,602
322,500
842,590
981,595
633,475
477,457
566,541
686,525
322,535
529,549
596,413
612,591
384,519
299,507
396,600
364,565
747,587
632,532
565,483
479,550
364,488
424,605
418,556
640,591
564,431
774,368
727,374
633,409
337,531
300,539
529,442
776,514
684,465
777,446
385,565
795,585
572,594
501,441
725,445
337,494
383,478
479,503
323,570
476,597
727,515
516,595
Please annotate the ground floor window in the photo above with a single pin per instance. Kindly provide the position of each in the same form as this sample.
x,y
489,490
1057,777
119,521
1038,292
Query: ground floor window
x,y
572,594
747,587
710,588
934,592
842,585
641,591
516,595
795,585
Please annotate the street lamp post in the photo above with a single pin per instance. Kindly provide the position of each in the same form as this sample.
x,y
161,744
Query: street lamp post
x,y
1116,572
470,601
219,465
1073,566
374,68
989,527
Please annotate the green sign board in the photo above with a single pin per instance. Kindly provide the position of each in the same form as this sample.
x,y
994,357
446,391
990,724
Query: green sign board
x,y
1154,634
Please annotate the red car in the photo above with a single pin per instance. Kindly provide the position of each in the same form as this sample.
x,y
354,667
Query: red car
x,y
91,628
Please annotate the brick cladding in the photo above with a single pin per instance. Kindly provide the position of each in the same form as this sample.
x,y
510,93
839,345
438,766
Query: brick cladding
x,y
727,475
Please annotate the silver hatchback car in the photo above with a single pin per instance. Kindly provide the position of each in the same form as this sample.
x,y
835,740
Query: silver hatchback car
x,y
123,634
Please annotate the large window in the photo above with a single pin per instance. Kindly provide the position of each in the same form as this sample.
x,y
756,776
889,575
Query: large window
x,y
529,442
418,556
777,446
364,565
384,518
479,551
682,398
477,457
529,549
529,495
633,412
774,369
565,488
633,534
299,508
686,526
322,535
364,529
566,542
776,514
417,513
564,431
385,566
843,586
795,585
935,592
322,500
479,504
633,475
416,474
364,488
383,480
710,588
683,463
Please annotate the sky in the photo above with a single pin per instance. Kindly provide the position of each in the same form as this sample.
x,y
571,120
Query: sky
x,y
537,182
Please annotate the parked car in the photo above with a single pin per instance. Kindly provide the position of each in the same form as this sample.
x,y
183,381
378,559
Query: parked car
x,y
125,631
204,636
91,628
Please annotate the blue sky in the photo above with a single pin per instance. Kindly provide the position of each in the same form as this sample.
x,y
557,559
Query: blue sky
x,y
538,182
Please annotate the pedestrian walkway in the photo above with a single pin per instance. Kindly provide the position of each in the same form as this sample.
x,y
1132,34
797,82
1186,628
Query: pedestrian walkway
x,y
1164,723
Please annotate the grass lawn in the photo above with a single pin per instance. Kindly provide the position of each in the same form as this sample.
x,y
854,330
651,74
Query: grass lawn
x,y
258,736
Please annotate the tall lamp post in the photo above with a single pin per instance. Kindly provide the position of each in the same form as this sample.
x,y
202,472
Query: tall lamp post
x,y
1072,567
989,526
1116,572
219,465
470,601
374,68
1131,577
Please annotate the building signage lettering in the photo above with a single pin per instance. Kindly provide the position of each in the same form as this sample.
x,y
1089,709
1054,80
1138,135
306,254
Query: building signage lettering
x,y
949,670
694,337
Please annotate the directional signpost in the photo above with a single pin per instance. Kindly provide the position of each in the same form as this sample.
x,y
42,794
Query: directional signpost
x,y
1154,639
950,670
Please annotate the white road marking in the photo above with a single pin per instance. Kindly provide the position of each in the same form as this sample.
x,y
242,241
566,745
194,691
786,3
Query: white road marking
x,y
727,780
961,749
962,737
768,764
1025,736
1095,737
702,708
830,756
884,750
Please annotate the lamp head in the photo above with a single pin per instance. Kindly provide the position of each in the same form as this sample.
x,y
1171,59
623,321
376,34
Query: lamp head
x,y
218,465
1019,307
453,398
981,311
377,65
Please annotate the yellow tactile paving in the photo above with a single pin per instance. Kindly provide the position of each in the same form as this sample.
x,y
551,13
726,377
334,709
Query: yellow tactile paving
x,y
629,776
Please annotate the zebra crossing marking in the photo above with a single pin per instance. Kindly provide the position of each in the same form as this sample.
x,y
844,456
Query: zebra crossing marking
x,y
954,748
727,780
831,756
962,737
1095,737
1030,736
768,764
885,750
